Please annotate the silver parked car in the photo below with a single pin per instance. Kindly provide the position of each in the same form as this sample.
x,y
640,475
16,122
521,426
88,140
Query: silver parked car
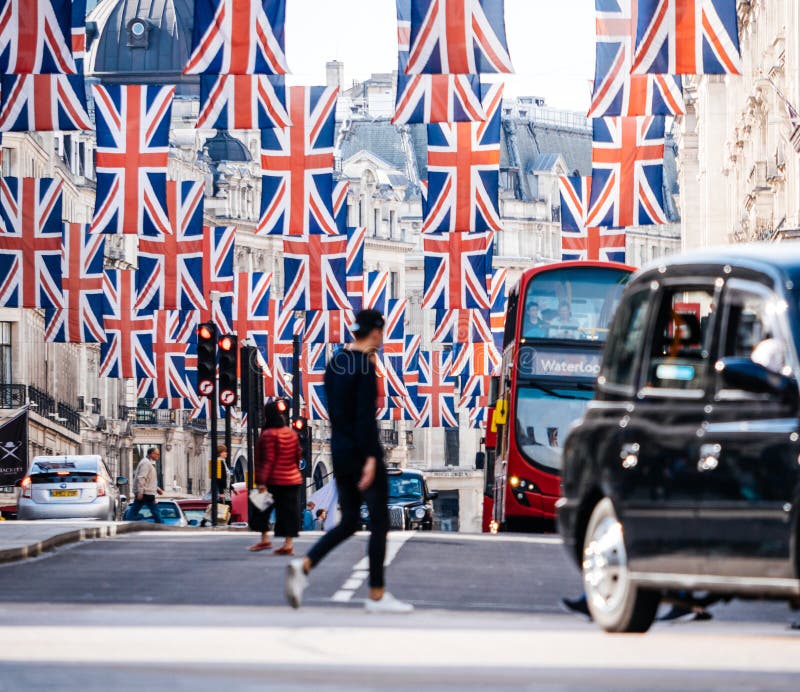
x,y
69,487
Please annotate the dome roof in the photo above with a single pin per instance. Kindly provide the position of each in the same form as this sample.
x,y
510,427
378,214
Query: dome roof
x,y
222,147
156,56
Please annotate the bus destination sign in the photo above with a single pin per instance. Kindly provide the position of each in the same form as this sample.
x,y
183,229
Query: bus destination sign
x,y
559,362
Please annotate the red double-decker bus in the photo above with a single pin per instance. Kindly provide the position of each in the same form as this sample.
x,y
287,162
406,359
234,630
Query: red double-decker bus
x,y
556,323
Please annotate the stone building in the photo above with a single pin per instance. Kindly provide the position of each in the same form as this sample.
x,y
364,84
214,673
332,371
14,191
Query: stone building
x,y
740,139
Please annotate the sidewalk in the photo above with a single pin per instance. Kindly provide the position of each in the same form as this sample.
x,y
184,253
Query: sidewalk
x,y
22,539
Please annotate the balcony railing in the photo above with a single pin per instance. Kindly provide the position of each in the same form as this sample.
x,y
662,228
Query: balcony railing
x,y
12,395
41,403
159,418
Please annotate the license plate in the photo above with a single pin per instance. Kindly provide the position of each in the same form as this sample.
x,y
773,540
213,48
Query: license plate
x,y
63,493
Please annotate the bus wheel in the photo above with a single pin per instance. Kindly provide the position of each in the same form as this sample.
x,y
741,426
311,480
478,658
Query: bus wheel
x,y
616,604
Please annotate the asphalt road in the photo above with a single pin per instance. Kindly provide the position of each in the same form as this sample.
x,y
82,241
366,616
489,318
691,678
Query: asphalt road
x,y
197,611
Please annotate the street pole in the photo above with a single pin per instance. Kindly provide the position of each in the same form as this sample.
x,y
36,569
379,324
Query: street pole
x,y
296,348
212,402
228,415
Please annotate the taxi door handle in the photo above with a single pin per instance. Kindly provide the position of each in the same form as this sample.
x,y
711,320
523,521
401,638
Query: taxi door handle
x,y
709,457
630,455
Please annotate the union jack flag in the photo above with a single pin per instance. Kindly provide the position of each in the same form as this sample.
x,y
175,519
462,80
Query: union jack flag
x,y
394,329
314,271
242,102
478,417
132,148
393,409
616,91
252,307
376,291
30,242
390,376
474,359
687,37
297,167
312,367
575,192
593,243
356,238
474,391
79,319
170,275
431,98
435,392
497,316
411,374
627,172
280,349
127,351
340,192
456,266
35,37
458,37
218,246
579,242
172,330
463,172
328,326
43,102
238,37
462,326
78,34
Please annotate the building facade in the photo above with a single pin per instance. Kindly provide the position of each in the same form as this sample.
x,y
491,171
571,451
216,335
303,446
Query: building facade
x,y
738,144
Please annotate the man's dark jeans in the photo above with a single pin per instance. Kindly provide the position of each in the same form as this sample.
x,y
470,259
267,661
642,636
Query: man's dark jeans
x,y
350,498
148,501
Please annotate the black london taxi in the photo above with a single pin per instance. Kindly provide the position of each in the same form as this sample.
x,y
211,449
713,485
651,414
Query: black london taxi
x,y
683,476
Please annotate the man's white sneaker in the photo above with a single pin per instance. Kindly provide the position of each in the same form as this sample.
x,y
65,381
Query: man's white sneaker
x,y
388,604
296,582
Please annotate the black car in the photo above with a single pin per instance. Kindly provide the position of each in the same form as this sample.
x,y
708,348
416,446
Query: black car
x,y
684,474
410,502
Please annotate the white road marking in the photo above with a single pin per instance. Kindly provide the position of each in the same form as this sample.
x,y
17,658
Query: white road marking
x,y
396,540
383,642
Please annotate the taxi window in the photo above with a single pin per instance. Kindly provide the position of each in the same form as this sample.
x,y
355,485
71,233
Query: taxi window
x,y
625,342
682,340
754,327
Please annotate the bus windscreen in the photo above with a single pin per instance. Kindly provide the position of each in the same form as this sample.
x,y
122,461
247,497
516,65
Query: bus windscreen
x,y
573,304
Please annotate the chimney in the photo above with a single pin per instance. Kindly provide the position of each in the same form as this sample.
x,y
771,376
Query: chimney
x,y
334,73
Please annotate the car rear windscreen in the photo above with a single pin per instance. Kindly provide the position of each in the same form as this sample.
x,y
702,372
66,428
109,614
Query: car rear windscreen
x,y
63,477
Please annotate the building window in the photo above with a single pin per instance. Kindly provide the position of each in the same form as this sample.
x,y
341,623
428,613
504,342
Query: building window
x,y
451,447
5,352
376,222
393,288
392,222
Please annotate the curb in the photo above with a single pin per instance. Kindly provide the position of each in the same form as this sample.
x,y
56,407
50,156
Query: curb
x,y
84,534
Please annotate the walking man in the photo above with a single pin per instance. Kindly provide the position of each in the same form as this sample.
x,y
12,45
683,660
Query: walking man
x,y
145,485
351,389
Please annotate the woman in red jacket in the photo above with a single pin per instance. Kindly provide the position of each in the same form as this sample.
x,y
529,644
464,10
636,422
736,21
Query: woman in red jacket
x,y
277,468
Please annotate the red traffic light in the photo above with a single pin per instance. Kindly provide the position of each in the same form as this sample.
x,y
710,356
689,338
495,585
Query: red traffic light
x,y
282,406
205,332
299,424
226,343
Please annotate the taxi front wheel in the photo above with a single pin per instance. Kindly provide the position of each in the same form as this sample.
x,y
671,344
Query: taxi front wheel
x,y
616,604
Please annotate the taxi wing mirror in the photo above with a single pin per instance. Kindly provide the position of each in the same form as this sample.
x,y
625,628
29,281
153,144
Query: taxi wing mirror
x,y
748,376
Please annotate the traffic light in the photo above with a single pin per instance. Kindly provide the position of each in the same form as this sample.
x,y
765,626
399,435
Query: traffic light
x,y
228,369
206,358
300,426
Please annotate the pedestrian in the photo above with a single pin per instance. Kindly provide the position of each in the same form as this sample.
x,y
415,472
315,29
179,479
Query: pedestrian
x,y
277,469
319,524
145,485
223,483
358,467
308,516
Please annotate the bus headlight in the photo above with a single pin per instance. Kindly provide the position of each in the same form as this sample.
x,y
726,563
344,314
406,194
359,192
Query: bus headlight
x,y
513,482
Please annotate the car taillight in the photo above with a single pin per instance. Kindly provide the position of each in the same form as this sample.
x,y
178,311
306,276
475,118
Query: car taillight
x,y
25,485
101,486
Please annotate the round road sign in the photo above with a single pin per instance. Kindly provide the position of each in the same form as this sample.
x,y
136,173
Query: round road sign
x,y
206,387
226,397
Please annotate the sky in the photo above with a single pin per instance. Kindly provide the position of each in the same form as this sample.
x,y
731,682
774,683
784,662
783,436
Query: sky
x,y
551,44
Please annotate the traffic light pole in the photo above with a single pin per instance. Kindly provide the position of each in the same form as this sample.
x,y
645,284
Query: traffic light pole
x,y
228,416
212,402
